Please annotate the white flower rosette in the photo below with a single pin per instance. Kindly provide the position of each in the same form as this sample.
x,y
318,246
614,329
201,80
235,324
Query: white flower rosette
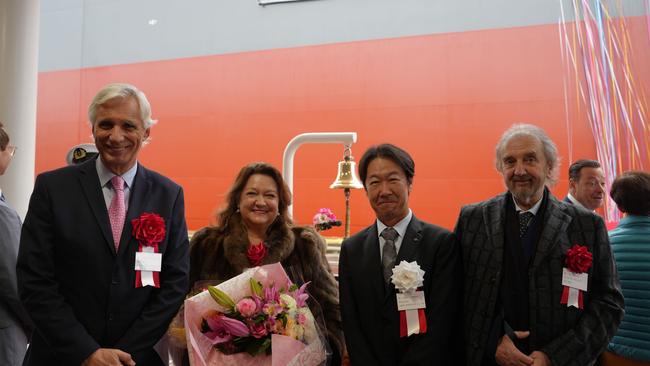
x,y
407,278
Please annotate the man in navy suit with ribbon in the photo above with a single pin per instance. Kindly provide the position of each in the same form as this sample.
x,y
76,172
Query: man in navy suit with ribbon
x,y
103,261
420,331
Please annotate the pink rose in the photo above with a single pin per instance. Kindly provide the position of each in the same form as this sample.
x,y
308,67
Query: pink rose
x,y
246,307
301,318
258,330
270,324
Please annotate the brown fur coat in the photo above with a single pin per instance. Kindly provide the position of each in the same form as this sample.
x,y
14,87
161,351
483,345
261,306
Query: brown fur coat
x,y
217,256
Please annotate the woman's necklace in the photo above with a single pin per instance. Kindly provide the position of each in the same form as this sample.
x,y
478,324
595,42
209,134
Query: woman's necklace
x,y
256,253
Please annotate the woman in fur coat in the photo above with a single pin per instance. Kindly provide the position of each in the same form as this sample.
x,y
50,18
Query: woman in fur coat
x,y
254,229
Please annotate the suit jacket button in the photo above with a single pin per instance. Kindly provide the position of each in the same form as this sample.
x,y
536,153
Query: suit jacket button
x,y
115,282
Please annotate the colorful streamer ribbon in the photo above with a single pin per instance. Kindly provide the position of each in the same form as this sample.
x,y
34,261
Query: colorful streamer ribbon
x,y
597,53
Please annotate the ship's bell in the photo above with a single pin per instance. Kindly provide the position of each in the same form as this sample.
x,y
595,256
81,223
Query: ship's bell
x,y
347,176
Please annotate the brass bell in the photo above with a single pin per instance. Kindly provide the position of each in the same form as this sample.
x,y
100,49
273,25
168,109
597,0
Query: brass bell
x,y
347,176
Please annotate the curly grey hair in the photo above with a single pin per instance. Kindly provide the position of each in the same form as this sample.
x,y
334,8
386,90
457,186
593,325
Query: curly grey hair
x,y
550,150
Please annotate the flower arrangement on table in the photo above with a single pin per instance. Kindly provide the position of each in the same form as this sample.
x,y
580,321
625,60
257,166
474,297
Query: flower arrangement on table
x,y
252,320
325,219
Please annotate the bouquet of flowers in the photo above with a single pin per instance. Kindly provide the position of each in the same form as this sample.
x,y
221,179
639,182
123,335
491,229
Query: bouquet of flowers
x,y
256,318
325,219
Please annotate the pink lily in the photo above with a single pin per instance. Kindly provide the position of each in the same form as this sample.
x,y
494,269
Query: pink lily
x,y
301,295
271,294
222,329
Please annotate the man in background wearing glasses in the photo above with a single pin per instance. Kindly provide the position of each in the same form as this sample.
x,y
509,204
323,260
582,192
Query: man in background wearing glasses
x,y
15,326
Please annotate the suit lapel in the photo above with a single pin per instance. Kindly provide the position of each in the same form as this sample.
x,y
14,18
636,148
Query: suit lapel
x,y
555,222
494,216
137,205
371,264
93,191
409,246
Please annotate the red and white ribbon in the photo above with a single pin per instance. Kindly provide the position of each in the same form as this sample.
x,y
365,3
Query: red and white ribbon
x,y
574,284
412,322
147,278
572,297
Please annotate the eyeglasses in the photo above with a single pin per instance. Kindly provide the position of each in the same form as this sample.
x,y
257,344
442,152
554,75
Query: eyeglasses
x,y
13,150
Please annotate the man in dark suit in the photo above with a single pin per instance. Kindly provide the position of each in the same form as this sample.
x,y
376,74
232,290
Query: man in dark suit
x,y
92,302
518,250
586,184
371,319
15,325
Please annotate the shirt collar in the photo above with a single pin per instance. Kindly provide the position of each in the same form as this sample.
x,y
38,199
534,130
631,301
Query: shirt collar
x,y
400,227
105,175
532,210
576,202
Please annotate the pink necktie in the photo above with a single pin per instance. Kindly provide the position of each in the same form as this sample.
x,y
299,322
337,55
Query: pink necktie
x,y
117,210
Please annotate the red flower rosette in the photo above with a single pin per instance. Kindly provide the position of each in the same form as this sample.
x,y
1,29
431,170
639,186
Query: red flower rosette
x,y
578,259
256,253
149,230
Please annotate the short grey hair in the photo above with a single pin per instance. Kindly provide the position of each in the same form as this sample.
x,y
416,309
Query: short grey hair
x,y
550,150
120,90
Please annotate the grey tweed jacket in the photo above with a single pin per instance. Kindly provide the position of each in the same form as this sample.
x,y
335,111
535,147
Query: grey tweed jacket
x,y
568,336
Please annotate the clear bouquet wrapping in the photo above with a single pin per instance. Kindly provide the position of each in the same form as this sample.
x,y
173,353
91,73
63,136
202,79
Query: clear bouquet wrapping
x,y
257,318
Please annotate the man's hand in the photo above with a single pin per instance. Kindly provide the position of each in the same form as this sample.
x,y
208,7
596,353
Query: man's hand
x,y
109,357
507,353
540,359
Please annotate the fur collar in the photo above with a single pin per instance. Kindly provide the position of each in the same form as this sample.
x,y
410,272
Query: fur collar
x,y
279,244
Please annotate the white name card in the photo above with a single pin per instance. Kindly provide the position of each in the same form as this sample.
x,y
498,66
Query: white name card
x,y
411,301
574,280
148,261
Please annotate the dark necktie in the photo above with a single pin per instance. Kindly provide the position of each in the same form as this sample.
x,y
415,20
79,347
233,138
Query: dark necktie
x,y
524,220
389,253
